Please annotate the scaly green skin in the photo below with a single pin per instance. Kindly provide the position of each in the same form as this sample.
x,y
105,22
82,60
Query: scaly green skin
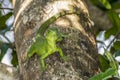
x,y
44,46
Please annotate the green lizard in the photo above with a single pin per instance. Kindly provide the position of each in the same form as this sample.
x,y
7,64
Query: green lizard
x,y
44,46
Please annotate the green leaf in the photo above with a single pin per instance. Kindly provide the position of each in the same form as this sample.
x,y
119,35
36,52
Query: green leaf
x,y
3,20
109,72
4,49
113,16
112,61
106,4
104,75
14,59
103,62
111,31
115,19
117,45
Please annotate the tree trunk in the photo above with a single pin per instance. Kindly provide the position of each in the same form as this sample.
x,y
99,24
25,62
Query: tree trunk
x,y
8,72
80,45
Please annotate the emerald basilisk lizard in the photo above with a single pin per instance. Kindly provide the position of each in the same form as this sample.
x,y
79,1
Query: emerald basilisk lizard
x,y
45,45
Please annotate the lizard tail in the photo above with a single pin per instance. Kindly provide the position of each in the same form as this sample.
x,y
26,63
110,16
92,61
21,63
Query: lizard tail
x,y
46,24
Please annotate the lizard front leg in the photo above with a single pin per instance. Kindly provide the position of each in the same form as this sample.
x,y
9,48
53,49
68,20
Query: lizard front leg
x,y
43,65
62,55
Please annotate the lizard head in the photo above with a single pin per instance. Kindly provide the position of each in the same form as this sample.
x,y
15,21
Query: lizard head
x,y
53,34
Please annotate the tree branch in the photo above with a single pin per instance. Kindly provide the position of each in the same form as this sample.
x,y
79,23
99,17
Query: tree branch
x,y
6,8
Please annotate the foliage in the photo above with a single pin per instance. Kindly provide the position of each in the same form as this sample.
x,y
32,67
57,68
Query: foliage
x,y
109,66
108,70
3,29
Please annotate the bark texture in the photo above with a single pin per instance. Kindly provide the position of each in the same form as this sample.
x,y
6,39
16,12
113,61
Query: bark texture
x,y
8,72
80,46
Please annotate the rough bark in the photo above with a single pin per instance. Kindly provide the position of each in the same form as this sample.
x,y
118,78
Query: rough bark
x,y
8,72
80,46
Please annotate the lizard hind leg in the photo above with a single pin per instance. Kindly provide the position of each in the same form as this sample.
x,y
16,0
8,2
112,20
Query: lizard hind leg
x,y
42,62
